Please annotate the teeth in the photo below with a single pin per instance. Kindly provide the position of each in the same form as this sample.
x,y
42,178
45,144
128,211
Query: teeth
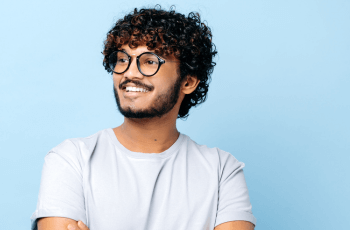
x,y
134,89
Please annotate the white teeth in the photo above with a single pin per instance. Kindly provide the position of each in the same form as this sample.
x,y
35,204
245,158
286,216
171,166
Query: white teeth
x,y
134,89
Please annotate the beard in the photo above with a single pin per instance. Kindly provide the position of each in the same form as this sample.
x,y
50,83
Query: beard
x,y
160,106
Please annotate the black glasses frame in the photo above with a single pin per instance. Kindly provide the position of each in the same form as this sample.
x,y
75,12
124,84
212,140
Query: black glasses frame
x,y
160,61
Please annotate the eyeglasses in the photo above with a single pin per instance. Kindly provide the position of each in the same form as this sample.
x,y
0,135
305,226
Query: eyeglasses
x,y
148,63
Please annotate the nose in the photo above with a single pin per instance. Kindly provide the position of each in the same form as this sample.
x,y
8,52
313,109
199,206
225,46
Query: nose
x,y
133,71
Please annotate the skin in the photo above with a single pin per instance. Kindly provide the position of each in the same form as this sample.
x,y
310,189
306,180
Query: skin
x,y
234,225
146,135
60,223
157,134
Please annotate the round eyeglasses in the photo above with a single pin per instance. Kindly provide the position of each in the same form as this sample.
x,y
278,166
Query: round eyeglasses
x,y
148,63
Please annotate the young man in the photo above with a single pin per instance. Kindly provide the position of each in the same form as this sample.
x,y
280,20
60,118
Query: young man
x,y
144,174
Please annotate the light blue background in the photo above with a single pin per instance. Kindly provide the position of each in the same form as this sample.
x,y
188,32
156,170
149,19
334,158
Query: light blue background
x,y
278,101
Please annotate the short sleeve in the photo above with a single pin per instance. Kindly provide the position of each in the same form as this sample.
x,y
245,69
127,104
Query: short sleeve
x,y
234,203
61,187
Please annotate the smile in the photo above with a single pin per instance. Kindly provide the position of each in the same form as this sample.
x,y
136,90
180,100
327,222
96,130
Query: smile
x,y
135,89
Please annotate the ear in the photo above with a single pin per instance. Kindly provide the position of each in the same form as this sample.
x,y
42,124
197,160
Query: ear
x,y
190,84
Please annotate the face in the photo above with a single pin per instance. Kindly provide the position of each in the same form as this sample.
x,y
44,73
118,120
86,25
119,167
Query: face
x,y
155,96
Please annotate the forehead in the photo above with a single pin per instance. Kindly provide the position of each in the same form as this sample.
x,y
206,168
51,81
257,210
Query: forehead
x,y
135,51
141,49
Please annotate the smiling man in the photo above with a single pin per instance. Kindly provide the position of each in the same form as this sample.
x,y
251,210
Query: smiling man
x,y
145,174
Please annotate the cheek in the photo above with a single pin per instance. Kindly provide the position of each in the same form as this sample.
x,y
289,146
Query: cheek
x,y
166,81
161,89
117,79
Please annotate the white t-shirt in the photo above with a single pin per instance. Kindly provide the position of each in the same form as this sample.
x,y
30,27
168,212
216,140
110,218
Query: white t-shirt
x,y
99,181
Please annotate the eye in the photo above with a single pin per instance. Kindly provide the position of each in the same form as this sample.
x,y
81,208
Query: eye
x,y
122,60
150,62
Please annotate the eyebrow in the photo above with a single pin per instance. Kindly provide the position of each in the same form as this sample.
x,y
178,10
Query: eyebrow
x,y
161,56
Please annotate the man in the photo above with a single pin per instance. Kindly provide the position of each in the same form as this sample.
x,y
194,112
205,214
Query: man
x,y
144,174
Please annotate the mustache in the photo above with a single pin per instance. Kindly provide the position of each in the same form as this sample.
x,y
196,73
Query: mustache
x,y
137,83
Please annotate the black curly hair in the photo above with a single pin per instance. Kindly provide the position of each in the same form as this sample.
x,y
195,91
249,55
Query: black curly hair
x,y
168,32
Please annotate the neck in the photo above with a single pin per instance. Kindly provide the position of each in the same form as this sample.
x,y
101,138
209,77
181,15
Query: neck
x,y
148,135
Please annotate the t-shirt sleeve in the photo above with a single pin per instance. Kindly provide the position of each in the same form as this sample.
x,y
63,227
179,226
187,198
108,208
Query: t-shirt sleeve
x,y
234,203
61,187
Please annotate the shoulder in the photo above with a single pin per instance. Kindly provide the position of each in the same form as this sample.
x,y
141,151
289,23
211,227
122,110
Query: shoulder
x,y
223,158
77,149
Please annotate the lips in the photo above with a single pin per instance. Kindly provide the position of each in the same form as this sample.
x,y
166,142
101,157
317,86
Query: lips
x,y
135,89
132,89
134,92
125,85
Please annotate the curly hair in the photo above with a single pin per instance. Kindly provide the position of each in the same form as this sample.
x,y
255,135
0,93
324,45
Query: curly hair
x,y
169,33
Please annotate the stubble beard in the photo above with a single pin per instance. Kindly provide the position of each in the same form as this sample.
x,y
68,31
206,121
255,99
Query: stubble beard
x,y
160,106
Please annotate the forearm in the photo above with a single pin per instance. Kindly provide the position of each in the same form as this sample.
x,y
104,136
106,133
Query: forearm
x,y
60,223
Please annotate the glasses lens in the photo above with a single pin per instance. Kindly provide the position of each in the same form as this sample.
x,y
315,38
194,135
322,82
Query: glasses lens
x,y
148,63
118,61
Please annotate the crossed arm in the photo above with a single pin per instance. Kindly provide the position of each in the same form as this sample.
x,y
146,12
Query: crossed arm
x,y
61,223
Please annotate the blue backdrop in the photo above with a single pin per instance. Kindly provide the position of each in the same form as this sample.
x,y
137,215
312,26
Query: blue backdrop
x,y
278,101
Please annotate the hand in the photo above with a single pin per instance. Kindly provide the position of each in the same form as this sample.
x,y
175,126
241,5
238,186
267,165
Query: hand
x,y
81,226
